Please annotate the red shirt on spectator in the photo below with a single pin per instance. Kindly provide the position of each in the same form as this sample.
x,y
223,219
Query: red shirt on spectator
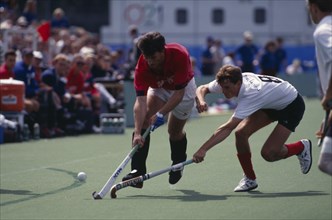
x,y
75,81
5,73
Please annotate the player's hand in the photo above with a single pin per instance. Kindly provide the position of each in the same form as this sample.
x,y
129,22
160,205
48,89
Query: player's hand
x,y
201,106
199,156
157,120
138,139
326,103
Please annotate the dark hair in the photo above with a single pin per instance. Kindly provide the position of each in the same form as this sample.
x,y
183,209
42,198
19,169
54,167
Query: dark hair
x,y
229,73
323,5
150,43
280,40
10,53
270,43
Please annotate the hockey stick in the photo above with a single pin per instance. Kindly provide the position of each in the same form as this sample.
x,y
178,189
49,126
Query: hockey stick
x,y
147,176
118,170
325,124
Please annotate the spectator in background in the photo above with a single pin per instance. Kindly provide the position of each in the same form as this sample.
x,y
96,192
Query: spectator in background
x,y
208,63
281,55
30,12
75,82
59,20
196,70
3,14
229,59
134,52
102,67
218,54
21,23
54,78
247,53
268,61
6,69
37,65
294,68
90,89
25,72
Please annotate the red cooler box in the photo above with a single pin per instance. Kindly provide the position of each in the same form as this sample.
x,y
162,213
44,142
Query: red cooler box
x,y
11,95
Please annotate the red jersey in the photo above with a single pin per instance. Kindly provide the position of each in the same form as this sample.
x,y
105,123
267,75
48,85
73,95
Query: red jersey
x,y
5,73
75,82
176,75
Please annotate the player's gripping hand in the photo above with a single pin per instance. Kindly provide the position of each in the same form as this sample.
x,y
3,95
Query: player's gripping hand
x,y
158,121
138,139
199,156
201,106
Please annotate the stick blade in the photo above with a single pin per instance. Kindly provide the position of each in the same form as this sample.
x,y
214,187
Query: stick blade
x,y
96,196
113,193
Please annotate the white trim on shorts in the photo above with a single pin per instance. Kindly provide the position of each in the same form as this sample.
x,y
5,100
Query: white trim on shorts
x,y
183,110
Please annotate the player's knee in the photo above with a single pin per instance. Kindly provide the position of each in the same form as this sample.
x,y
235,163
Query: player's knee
x,y
269,156
242,134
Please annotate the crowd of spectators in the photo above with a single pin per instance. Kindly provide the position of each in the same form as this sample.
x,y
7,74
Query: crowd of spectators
x,y
270,60
60,65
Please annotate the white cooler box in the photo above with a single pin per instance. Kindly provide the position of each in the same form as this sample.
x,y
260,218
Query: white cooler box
x,y
113,123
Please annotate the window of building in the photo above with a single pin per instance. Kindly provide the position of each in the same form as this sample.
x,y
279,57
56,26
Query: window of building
x,y
260,15
218,16
181,16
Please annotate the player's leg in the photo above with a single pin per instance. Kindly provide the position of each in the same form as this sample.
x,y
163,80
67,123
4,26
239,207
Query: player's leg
x,y
275,148
178,144
244,130
138,162
177,135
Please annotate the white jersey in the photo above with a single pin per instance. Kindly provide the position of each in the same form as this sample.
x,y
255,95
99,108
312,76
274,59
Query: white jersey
x,y
323,44
259,92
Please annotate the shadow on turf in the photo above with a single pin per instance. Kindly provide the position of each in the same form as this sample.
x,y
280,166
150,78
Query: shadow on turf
x,y
75,184
189,196
194,196
258,194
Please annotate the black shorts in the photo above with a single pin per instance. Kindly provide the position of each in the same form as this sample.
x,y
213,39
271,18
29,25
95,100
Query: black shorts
x,y
290,116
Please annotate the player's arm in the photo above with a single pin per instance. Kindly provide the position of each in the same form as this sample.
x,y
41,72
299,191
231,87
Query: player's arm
x,y
218,136
201,92
159,118
327,99
173,101
140,110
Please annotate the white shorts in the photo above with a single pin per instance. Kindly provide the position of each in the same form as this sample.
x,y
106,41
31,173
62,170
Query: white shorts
x,y
327,145
183,110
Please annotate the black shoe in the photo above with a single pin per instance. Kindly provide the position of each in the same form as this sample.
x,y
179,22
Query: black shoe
x,y
175,176
131,175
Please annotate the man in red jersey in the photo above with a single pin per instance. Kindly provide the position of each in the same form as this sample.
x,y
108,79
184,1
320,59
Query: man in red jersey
x,y
165,85
6,69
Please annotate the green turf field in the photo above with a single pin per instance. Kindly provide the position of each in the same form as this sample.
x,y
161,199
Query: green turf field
x,y
38,179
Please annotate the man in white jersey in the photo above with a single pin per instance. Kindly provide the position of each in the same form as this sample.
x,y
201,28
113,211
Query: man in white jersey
x,y
261,100
321,14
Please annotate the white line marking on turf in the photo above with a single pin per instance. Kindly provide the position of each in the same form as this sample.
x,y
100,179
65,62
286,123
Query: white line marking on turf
x,y
54,165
